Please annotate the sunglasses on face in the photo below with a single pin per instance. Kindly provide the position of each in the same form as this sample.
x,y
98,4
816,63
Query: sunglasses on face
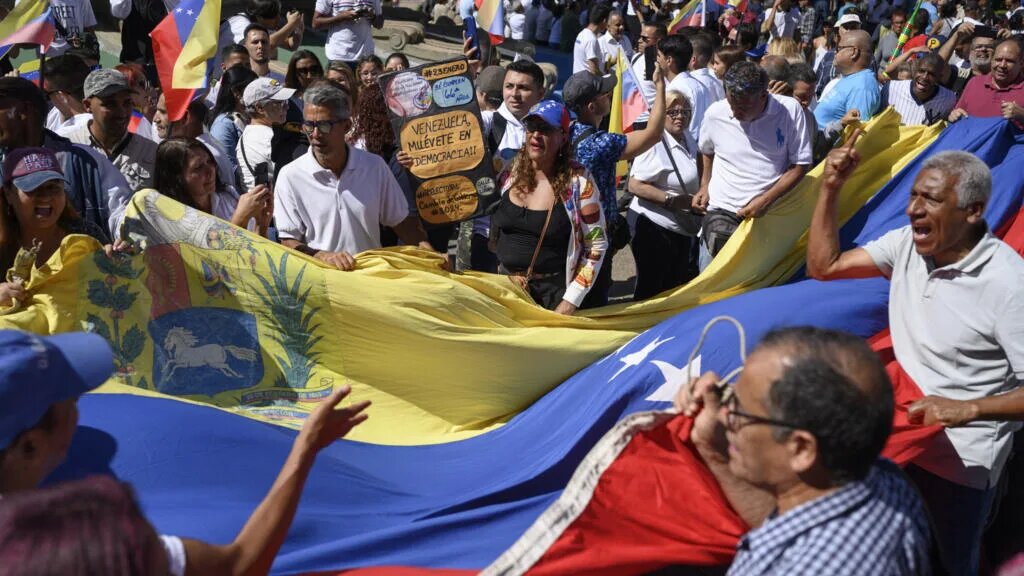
x,y
324,126
309,71
677,112
540,126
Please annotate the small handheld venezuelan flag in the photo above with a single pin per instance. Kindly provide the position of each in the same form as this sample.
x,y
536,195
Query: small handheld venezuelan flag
x,y
183,44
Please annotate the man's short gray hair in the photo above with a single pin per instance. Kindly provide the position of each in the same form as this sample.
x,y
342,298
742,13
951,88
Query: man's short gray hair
x,y
974,180
330,97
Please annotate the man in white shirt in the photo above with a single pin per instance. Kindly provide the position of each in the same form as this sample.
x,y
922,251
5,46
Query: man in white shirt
x,y
782,21
754,147
920,101
108,98
348,23
586,53
615,40
332,201
63,79
650,35
266,102
956,314
41,380
702,52
675,53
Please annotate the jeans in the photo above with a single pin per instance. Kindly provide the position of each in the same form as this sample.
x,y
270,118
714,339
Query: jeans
x,y
959,514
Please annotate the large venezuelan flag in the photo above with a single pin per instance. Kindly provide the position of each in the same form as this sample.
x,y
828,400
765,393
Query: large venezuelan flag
x,y
30,22
446,358
183,44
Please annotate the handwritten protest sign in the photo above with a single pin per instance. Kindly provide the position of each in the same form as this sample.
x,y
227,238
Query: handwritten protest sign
x,y
436,118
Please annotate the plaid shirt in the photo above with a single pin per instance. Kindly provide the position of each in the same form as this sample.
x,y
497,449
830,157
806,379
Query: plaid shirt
x,y
874,526
808,18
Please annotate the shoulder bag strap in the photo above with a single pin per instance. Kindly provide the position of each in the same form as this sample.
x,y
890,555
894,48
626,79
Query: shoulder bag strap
x,y
675,168
540,241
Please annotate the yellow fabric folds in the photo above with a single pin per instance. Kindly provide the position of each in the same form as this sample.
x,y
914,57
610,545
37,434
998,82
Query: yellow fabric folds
x,y
209,313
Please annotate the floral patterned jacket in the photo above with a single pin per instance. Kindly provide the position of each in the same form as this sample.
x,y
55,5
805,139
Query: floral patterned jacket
x,y
589,240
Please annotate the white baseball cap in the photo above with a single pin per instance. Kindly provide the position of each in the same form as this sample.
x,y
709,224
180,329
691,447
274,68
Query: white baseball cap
x,y
848,19
262,89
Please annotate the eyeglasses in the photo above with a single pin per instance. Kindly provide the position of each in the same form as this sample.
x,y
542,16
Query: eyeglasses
x,y
324,126
735,419
678,112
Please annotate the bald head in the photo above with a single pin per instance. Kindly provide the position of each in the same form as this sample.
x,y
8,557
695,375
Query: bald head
x,y
862,40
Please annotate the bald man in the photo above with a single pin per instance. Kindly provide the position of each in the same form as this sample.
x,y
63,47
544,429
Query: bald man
x,y
856,95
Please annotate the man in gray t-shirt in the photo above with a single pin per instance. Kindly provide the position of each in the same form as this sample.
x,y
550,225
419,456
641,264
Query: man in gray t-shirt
x,y
957,319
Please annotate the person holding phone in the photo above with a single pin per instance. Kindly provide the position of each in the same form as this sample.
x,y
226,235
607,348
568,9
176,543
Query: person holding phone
x,y
266,101
348,22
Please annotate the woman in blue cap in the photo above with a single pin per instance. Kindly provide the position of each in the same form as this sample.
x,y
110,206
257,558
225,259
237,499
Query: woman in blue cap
x,y
34,213
550,229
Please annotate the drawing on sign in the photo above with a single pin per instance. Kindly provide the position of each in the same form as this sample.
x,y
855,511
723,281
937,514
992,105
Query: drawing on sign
x,y
436,120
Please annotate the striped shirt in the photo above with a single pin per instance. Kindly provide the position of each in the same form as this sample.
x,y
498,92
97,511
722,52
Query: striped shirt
x,y
873,526
900,95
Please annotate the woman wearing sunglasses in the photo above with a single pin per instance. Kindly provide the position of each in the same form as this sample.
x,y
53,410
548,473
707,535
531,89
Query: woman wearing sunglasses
x,y
550,231
663,181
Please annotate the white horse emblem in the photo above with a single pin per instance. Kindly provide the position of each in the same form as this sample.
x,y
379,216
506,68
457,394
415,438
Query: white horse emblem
x,y
181,345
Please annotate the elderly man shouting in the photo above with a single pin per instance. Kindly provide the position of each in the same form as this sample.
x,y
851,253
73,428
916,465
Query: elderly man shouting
x,y
795,447
956,313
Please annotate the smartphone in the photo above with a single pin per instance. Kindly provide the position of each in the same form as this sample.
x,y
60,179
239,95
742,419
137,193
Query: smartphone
x,y
469,29
984,32
650,61
261,173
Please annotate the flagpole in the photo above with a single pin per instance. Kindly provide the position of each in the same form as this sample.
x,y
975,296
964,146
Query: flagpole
x,y
905,33
42,76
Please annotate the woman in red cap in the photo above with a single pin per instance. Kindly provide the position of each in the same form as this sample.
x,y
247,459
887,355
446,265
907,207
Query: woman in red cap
x,y
34,214
550,229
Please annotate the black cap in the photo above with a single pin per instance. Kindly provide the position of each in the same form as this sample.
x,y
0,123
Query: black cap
x,y
582,87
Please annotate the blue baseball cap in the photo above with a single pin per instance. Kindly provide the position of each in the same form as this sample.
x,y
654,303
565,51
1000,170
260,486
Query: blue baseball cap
x,y
37,372
30,168
552,113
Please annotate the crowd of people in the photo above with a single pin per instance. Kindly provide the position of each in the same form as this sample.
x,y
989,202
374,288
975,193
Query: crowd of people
x,y
739,109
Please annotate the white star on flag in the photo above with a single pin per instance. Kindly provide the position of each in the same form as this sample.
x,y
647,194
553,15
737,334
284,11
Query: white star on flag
x,y
674,379
189,12
179,10
637,358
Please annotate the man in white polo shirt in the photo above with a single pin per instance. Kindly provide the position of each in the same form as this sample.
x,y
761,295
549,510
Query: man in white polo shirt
x,y
754,147
331,201
956,313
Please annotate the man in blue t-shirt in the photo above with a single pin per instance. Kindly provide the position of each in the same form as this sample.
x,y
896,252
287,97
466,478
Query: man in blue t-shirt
x,y
857,93
589,97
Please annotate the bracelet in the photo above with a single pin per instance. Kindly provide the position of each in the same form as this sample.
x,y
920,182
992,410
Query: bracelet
x,y
667,202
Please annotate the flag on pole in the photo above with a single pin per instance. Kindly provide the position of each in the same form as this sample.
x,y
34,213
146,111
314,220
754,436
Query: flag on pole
x,y
737,5
31,22
628,104
183,44
690,15
491,17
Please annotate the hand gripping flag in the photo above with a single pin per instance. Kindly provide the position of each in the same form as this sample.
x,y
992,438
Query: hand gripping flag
x,y
183,44
31,22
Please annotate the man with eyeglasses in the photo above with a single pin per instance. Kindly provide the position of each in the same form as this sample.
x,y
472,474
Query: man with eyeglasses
x,y
650,35
999,93
795,445
331,202
856,93
980,57
266,101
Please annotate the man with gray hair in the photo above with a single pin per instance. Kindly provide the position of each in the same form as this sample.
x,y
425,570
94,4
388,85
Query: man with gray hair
x,y
956,314
754,148
331,201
